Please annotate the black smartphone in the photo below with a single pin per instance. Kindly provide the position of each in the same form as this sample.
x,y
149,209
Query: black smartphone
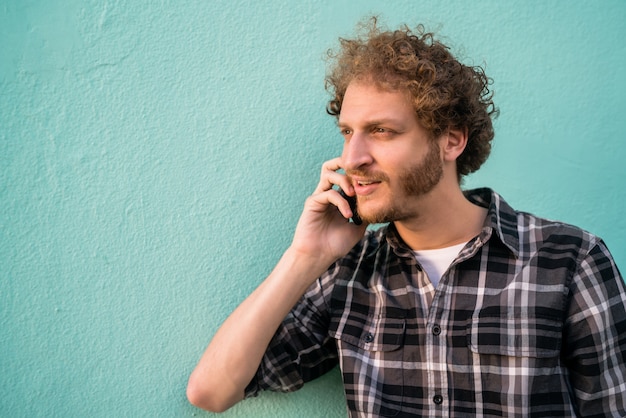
x,y
352,201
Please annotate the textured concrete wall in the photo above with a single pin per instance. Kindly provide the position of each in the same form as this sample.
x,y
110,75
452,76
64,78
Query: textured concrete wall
x,y
154,158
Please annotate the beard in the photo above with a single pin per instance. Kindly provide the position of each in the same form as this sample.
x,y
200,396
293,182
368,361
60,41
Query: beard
x,y
415,181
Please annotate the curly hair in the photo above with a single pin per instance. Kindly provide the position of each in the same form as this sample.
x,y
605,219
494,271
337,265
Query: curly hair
x,y
445,93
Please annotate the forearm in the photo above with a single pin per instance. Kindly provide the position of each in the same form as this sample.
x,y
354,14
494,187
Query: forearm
x,y
323,235
233,356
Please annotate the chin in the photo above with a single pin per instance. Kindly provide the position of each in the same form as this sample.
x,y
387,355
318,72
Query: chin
x,y
373,211
380,216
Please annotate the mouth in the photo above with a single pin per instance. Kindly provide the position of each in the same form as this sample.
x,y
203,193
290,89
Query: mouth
x,y
364,187
366,183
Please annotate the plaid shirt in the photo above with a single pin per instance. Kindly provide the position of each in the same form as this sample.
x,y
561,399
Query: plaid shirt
x,y
528,321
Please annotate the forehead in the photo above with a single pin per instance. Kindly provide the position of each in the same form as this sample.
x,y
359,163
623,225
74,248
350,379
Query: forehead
x,y
365,101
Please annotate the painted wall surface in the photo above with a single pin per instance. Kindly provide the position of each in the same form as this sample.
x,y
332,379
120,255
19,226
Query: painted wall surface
x,y
155,156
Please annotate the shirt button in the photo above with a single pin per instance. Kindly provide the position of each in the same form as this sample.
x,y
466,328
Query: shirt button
x,y
368,338
436,330
438,399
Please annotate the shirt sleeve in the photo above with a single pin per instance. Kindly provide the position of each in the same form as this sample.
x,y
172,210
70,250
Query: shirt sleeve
x,y
301,349
595,336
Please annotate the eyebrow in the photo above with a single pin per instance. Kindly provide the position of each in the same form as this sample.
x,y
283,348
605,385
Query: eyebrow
x,y
373,122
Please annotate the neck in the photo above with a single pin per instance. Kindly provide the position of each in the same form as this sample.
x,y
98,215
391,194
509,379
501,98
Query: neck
x,y
444,217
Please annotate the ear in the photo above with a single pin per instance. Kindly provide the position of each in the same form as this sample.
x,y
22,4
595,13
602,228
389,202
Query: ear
x,y
453,143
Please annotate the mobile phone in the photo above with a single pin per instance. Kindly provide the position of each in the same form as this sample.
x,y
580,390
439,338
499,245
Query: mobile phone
x,y
352,201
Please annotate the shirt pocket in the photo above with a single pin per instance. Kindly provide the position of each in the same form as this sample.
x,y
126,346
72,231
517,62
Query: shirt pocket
x,y
371,355
515,336
380,334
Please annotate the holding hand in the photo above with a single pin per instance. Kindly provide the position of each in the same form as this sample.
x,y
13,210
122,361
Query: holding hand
x,y
324,230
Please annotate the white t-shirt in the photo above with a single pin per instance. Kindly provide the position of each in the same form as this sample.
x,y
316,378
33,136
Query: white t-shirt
x,y
436,262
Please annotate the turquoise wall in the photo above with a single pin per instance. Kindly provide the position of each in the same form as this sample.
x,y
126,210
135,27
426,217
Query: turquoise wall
x,y
154,158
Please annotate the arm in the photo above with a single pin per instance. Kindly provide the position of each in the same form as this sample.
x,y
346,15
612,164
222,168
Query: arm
x,y
322,236
596,336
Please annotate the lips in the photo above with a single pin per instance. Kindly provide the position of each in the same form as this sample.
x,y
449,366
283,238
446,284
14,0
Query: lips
x,y
366,182
365,187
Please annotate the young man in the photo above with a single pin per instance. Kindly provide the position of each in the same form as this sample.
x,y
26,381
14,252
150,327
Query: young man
x,y
459,306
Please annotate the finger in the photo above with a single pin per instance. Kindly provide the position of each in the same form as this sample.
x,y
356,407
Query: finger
x,y
330,176
332,165
352,202
322,201
328,168
347,210
335,179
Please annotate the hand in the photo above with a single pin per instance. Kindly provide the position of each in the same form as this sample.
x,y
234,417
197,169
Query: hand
x,y
324,230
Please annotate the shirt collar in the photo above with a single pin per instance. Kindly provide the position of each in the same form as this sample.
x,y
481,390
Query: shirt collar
x,y
501,219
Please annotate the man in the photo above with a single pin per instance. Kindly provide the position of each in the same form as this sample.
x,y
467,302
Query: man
x,y
459,306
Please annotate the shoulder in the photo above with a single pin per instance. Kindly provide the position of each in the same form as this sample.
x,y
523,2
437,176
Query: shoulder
x,y
535,230
359,259
526,233
551,245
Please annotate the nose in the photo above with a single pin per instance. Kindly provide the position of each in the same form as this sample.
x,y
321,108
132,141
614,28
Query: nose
x,y
356,153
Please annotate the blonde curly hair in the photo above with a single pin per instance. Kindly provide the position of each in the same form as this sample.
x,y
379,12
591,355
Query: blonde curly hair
x,y
446,94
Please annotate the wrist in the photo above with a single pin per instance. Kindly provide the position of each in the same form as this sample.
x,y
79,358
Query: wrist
x,y
311,261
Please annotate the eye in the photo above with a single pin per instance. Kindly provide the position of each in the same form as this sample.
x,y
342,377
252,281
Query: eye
x,y
345,131
379,130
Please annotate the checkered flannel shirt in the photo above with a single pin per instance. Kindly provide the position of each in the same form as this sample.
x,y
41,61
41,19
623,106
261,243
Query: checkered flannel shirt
x,y
528,321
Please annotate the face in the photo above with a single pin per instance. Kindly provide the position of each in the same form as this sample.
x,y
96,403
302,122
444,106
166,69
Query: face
x,y
389,158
